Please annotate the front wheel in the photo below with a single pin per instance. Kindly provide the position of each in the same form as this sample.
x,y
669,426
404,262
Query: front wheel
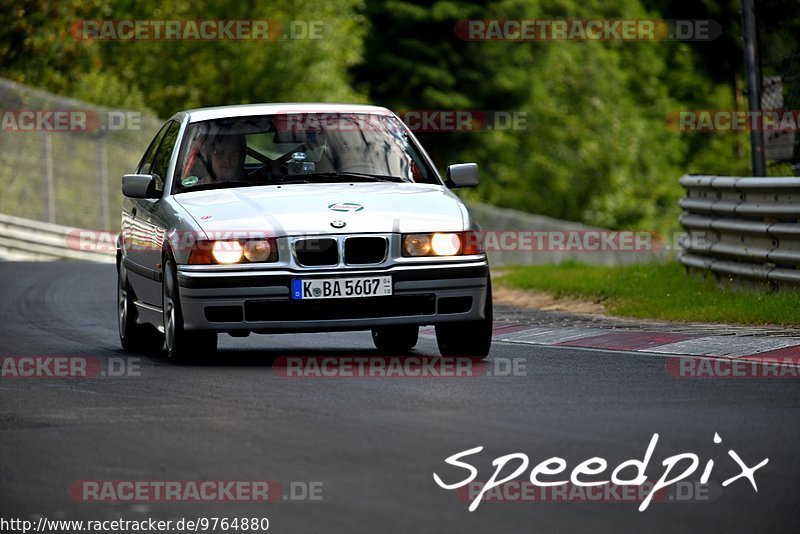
x,y
395,338
132,335
472,339
181,345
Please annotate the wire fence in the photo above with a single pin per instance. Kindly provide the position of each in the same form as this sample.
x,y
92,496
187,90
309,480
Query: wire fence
x,y
778,36
62,159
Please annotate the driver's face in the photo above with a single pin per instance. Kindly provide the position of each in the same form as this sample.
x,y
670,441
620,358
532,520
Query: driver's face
x,y
226,159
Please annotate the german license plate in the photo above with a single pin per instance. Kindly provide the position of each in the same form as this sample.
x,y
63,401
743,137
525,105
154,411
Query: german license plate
x,y
341,288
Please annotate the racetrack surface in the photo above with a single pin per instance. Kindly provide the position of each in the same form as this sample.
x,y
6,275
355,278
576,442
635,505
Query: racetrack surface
x,y
373,442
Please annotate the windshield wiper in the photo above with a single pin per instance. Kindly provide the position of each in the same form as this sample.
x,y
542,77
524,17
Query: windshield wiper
x,y
352,175
220,185
289,181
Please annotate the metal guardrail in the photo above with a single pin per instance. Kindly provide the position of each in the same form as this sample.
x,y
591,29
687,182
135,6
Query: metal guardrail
x,y
24,239
742,227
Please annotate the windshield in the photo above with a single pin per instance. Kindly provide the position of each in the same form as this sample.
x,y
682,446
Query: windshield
x,y
298,148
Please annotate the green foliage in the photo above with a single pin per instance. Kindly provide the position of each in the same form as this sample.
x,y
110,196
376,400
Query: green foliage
x,y
596,149
106,89
36,47
656,291
166,76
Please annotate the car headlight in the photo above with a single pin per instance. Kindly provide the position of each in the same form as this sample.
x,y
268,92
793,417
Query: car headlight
x,y
445,244
442,244
227,251
417,245
257,250
230,251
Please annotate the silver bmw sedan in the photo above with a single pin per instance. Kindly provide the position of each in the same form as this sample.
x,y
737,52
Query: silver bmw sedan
x,y
277,218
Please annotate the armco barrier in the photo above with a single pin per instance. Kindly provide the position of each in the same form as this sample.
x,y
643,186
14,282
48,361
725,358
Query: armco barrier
x,y
742,227
24,239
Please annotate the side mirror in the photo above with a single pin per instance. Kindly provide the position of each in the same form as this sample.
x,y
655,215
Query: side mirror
x,y
139,186
462,175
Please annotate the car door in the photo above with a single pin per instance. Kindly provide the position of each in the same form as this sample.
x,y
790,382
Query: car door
x,y
134,235
147,229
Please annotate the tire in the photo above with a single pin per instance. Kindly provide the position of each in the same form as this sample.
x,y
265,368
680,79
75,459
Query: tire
x,y
395,339
132,335
181,346
471,339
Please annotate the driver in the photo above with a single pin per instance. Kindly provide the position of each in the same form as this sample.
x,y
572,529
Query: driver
x,y
226,154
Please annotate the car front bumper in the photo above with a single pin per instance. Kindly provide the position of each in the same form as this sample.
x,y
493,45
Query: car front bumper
x,y
259,300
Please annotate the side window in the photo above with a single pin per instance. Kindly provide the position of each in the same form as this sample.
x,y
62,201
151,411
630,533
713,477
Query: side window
x,y
164,154
147,160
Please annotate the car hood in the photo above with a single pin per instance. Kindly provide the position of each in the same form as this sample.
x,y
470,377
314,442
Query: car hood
x,y
320,208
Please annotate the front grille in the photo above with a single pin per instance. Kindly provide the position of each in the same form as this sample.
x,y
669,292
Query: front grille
x,y
364,250
354,308
316,252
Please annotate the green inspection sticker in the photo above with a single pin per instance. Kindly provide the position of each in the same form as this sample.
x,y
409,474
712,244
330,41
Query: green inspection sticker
x,y
190,181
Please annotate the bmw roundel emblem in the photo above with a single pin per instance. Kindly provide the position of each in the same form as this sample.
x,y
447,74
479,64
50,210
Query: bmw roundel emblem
x,y
338,224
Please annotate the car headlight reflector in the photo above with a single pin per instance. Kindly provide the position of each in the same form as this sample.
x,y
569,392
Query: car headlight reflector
x,y
227,252
417,245
445,244
436,244
257,250
231,251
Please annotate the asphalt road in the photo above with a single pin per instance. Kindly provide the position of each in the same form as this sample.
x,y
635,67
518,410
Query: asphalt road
x,y
372,443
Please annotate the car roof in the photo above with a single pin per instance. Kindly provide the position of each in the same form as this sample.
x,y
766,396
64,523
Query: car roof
x,y
221,112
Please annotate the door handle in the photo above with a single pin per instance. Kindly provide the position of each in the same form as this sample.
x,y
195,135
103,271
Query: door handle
x,y
134,212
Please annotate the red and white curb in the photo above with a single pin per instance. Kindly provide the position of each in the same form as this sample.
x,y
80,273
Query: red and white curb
x,y
732,347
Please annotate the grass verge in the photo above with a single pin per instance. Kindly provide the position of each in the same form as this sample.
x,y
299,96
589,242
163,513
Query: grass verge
x,y
656,291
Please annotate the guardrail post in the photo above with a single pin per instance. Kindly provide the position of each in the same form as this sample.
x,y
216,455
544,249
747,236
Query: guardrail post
x,y
751,64
49,180
102,176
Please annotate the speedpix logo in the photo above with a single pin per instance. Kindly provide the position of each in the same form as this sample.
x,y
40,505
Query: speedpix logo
x,y
345,207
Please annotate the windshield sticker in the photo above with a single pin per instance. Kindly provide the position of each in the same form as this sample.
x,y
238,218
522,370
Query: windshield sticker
x,y
190,181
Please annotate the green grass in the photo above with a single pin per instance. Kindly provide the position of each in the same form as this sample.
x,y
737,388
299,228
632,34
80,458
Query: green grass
x,y
657,291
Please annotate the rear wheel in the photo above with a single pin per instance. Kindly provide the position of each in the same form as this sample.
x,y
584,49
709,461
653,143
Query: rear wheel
x,y
472,339
132,335
182,346
395,338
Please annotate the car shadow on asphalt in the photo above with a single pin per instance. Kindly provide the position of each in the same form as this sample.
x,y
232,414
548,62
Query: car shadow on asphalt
x,y
277,359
